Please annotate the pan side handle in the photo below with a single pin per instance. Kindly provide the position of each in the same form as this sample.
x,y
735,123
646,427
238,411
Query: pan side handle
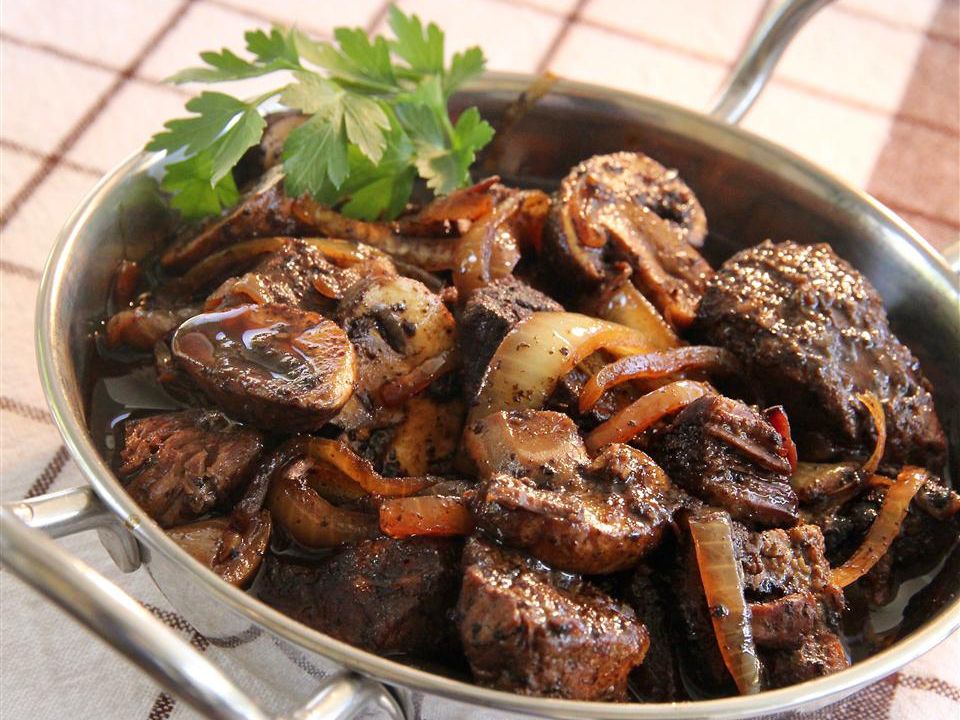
x,y
760,57
130,629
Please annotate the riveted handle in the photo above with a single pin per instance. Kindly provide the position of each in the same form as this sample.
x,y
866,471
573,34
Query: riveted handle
x,y
760,57
130,629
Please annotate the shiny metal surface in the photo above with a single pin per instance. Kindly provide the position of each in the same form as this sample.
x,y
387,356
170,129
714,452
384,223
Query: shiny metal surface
x,y
762,53
74,510
751,190
140,637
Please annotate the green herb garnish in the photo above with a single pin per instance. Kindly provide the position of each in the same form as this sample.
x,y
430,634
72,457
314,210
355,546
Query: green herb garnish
x,y
377,119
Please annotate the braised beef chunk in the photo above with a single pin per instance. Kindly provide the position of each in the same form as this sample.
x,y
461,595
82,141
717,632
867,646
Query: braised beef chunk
x,y
565,397
600,520
657,679
813,333
817,656
297,275
780,562
797,606
180,466
389,596
628,207
539,444
794,605
929,530
262,212
275,366
489,314
530,630
726,454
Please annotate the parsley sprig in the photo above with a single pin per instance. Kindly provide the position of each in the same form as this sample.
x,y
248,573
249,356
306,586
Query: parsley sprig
x,y
377,112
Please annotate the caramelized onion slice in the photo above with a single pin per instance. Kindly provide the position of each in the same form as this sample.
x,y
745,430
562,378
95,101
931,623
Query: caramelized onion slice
x,y
622,303
644,412
875,408
885,528
538,351
425,515
729,613
218,265
234,553
397,391
312,521
490,249
654,365
339,457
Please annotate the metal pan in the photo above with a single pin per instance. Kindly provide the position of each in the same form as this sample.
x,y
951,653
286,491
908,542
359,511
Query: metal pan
x,y
751,189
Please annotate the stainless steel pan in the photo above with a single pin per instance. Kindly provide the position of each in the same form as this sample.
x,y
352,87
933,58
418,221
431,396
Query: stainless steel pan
x,y
751,190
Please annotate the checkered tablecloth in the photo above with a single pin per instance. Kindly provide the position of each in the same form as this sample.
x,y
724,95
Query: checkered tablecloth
x,y
869,90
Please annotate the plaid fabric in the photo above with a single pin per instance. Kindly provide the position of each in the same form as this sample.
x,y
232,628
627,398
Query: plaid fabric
x,y
869,90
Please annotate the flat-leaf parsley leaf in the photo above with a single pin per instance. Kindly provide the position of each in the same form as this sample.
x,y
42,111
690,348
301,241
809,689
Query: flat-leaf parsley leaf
x,y
377,112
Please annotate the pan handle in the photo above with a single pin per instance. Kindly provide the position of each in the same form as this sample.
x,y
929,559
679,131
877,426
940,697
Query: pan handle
x,y
130,629
760,57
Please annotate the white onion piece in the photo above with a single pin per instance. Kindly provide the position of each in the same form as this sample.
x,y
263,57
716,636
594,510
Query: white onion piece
x,y
624,304
885,528
720,575
524,370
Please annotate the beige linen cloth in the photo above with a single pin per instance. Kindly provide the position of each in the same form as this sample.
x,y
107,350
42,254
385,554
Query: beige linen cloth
x,y
868,90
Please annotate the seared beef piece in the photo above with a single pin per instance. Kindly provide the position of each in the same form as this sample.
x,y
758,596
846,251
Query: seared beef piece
x,y
180,466
538,444
296,275
929,529
533,631
783,622
657,679
628,207
393,597
817,656
726,454
565,397
782,562
797,610
813,333
598,521
264,211
275,366
490,313
794,606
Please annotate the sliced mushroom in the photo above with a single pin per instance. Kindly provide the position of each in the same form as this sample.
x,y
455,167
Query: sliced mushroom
x,y
264,211
397,326
274,366
628,207
232,552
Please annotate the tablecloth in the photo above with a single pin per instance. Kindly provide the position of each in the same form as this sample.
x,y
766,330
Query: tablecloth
x,y
869,89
